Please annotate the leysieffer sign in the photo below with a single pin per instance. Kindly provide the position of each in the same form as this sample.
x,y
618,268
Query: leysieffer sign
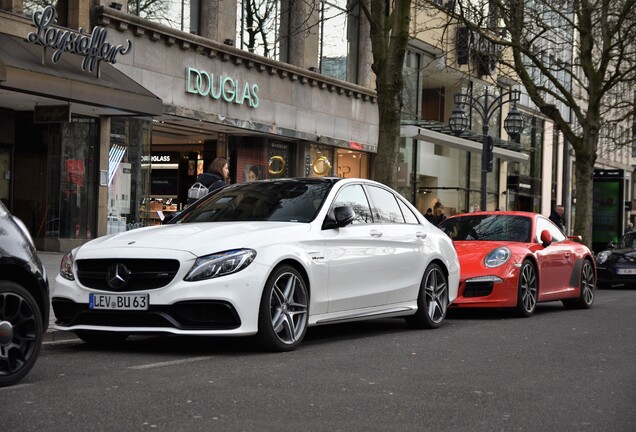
x,y
93,46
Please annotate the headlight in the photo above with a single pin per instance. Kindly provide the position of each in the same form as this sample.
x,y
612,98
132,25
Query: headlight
x,y
497,257
66,266
602,256
220,264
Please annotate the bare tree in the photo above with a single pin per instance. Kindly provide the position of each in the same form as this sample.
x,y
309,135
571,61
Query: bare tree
x,y
577,62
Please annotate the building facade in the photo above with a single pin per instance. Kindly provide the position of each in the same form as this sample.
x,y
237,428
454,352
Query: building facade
x,y
97,144
119,145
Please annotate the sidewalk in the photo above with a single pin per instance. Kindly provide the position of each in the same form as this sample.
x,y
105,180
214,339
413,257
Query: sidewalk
x,y
51,262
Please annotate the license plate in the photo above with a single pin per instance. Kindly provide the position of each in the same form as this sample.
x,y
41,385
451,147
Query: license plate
x,y
626,271
118,301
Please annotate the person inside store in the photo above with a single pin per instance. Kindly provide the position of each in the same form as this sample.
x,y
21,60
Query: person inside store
x,y
557,217
429,216
217,175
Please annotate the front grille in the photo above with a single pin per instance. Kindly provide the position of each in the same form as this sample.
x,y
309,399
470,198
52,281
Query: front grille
x,y
478,289
143,274
187,315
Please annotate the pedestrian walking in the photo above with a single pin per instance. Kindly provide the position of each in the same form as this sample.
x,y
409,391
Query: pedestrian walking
x,y
557,216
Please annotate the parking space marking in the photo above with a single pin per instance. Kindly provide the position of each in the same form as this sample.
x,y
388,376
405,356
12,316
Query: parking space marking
x,y
170,363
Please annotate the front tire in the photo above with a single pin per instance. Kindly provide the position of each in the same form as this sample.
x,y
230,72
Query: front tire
x,y
586,295
284,310
21,332
432,301
528,291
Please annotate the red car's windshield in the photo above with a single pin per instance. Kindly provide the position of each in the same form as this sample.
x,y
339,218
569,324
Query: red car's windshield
x,y
488,227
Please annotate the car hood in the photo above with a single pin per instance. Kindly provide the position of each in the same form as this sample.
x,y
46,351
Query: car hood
x,y
197,238
625,252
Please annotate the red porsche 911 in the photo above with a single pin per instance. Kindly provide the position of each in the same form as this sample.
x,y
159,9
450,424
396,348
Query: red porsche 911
x,y
518,259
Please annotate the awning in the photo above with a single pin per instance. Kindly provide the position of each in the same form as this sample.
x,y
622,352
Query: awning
x,y
434,137
28,68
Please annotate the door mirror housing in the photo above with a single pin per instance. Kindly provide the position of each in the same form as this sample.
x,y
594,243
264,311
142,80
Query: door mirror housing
x,y
339,217
546,238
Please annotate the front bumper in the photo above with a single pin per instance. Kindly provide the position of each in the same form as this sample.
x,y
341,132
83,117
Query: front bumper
x,y
227,305
475,292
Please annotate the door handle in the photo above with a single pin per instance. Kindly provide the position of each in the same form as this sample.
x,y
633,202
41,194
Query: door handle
x,y
420,235
375,233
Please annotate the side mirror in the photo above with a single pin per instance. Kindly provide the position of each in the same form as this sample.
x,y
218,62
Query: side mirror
x,y
344,215
546,238
169,217
339,217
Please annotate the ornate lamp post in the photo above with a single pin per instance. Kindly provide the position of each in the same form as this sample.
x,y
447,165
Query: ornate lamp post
x,y
486,105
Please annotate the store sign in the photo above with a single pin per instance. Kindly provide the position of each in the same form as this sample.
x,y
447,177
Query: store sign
x,y
52,114
227,88
161,158
92,46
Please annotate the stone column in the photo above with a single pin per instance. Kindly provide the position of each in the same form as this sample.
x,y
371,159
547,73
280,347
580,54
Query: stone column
x,y
218,20
366,77
299,33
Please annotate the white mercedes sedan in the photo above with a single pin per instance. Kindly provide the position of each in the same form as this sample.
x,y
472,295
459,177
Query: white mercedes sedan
x,y
268,258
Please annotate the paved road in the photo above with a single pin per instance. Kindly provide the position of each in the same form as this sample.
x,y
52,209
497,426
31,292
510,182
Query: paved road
x,y
560,370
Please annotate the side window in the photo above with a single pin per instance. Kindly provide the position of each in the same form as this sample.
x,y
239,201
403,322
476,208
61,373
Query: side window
x,y
545,224
385,206
354,197
409,216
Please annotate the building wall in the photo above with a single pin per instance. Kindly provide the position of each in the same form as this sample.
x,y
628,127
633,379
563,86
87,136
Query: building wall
x,y
292,101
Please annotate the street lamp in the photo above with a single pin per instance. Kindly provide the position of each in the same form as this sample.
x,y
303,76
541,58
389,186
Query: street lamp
x,y
486,105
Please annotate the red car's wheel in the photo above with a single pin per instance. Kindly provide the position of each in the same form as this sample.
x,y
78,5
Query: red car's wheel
x,y
528,290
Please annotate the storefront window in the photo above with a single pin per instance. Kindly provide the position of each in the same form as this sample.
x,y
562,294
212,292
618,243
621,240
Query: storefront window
x,y
319,162
352,163
77,173
259,159
128,174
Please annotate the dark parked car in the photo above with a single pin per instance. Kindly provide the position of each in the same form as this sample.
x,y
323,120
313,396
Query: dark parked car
x,y
616,266
24,300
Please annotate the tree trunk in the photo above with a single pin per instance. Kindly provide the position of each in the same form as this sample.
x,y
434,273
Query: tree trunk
x,y
584,189
389,107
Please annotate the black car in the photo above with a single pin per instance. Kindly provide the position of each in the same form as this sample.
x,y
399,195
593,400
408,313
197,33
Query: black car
x,y
616,266
24,300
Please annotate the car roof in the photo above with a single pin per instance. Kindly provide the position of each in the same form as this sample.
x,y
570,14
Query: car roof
x,y
506,213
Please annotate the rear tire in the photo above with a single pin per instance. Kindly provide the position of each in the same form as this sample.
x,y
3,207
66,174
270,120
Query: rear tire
x,y
432,300
21,332
586,294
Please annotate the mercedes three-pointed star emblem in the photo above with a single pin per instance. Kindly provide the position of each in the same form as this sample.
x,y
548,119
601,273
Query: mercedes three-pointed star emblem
x,y
117,276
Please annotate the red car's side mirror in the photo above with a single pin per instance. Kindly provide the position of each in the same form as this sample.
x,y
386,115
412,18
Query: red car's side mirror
x,y
546,238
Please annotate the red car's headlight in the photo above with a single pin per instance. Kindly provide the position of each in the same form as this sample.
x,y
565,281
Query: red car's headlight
x,y
497,257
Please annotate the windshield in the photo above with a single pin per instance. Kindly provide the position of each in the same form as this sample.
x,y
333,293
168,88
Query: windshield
x,y
488,228
287,201
628,241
